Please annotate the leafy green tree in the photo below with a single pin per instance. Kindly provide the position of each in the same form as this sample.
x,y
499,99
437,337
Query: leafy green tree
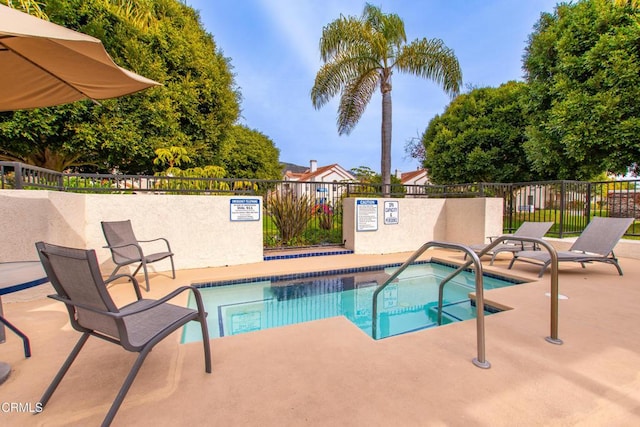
x,y
195,108
360,55
479,138
364,174
582,64
171,156
247,153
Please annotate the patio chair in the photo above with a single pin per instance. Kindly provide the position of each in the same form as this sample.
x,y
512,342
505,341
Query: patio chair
x,y
527,229
595,244
126,249
137,327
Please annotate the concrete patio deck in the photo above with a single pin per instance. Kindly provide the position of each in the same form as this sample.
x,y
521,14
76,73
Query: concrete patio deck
x,y
328,373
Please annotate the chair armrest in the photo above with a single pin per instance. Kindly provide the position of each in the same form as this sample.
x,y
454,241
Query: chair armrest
x,y
154,304
166,298
135,245
155,240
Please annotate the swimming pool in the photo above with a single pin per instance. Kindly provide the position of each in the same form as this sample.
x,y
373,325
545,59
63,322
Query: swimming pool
x,y
408,304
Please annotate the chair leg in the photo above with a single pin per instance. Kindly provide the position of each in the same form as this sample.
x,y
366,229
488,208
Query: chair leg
x,y
25,339
544,267
615,263
206,342
493,258
202,318
146,275
63,370
113,273
126,386
173,269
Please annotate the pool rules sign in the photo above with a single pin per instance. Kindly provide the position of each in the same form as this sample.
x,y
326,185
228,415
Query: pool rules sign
x,y
366,215
245,209
391,213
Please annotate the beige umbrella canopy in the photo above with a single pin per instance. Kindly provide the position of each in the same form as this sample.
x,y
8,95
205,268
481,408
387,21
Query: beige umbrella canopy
x,y
43,64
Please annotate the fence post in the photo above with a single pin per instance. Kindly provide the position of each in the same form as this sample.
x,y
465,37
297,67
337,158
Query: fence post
x,y
588,204
510,195
562,207
17,170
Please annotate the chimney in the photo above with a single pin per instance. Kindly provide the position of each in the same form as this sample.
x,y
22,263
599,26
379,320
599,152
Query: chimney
x,y
313,165
398,174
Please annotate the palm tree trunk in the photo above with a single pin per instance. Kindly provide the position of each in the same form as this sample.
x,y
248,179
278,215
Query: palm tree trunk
x,y
385,168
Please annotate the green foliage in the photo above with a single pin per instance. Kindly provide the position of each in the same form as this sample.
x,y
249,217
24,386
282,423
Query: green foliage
x,y
371,182
361,53
207,184
32,7
479,138
171,156
364,174
290,214
247,153
164,40
583,68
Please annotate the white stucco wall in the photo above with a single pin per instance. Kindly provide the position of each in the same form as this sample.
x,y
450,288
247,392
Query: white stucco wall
x,y
198,228
465,221
202,235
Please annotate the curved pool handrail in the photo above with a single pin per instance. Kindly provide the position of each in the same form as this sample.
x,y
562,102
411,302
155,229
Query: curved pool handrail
x,y
553,338
480,360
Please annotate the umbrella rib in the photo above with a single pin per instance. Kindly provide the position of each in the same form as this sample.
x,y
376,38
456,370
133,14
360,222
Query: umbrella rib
x,y
48,72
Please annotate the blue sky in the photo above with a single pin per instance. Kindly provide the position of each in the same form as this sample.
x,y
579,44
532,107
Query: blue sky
x,y
273,49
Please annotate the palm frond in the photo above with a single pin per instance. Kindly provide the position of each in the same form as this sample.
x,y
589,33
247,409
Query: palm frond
x,y
335,76
431,59
354,100
339,36
390,25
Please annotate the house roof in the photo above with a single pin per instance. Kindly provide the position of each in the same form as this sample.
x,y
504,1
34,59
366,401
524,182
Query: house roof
x,y
408,176
319,173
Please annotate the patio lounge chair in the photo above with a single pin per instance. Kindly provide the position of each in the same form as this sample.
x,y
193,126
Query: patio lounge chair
x,y
137,327
595,244
126,249
527,229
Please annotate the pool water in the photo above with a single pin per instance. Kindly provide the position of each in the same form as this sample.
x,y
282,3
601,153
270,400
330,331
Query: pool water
x,y
408,304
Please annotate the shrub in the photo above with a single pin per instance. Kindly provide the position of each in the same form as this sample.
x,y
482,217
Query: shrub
x,y
324,214
290,214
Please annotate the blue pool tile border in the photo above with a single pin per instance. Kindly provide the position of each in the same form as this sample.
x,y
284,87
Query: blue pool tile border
x,y
295,276
291,276
306,254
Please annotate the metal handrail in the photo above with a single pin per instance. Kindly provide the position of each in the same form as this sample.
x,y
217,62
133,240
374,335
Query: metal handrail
x,y
480,360
553,338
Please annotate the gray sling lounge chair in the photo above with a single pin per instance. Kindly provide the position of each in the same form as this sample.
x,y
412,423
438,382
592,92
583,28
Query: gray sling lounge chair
x,y
126,249
137,327
595,244
527,229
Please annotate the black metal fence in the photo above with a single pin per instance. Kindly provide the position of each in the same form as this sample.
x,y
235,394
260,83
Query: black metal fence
x,y
310,213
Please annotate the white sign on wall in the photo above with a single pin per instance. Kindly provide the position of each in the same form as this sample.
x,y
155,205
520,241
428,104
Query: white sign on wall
x,y
391,213
245,209
366,215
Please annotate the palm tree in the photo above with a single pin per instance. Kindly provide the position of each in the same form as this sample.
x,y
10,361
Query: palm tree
x,y
360,54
